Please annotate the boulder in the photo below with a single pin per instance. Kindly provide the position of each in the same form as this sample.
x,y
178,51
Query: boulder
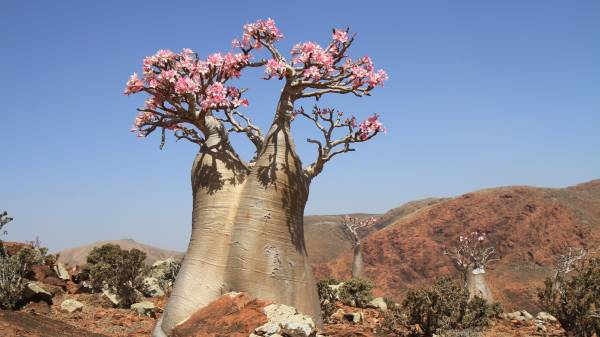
x,y
71,306
35,292
152,287
520,315
546,317
61,271
112,297
285,320
145,308
527,315
378,303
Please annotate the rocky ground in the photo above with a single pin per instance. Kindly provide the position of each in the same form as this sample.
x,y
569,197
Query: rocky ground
x,y
234,314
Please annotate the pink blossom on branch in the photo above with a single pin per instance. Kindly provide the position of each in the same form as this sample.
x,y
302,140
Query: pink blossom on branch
x,y
340,36
134,85
264,30
275,68
369,127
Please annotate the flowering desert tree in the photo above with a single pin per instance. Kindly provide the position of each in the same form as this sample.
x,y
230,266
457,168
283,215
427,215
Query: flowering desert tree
x,y
471,255
247,219
352,225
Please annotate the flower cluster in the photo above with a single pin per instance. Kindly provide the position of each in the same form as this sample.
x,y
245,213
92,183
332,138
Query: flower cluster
x,y
340,36
134,85
317,61
363,72
369,127
265,30
275,68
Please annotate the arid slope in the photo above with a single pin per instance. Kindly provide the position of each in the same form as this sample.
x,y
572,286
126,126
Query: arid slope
x,y
530,227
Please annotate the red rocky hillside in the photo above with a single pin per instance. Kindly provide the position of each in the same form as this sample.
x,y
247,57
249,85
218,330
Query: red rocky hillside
x,y
529,227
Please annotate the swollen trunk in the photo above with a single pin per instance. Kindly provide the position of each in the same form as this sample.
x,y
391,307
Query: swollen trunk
x,y
247,234
357,262
477,285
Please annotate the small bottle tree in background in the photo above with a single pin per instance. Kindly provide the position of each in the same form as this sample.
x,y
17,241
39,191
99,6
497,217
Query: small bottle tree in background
x,y
352,225
471,255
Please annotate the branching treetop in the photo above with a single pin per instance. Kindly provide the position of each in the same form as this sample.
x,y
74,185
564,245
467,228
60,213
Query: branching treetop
x,y
472,252
188,94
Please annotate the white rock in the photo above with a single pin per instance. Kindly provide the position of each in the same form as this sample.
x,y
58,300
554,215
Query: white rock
x,y
285,318
112,297
61,271
71,306
546,317
144,308
34,289
378,303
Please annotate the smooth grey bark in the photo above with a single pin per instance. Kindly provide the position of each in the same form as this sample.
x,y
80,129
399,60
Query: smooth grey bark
x,y
247,228
477,285
357,262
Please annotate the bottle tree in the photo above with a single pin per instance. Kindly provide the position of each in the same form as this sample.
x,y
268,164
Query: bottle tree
x,y
471,255
352,225
247,217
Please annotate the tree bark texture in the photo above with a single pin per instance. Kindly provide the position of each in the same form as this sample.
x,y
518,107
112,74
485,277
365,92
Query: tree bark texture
x,y
247,232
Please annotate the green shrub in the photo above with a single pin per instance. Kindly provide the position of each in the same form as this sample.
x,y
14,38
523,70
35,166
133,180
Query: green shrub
x,y
327,297
13,272
356,292
575,300
444,307
120,271
16,268
166,273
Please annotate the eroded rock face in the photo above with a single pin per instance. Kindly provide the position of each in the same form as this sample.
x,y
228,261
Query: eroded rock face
x,y
233,314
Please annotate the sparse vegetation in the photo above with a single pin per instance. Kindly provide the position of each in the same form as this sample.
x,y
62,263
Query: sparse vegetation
x,y
15,268
575,300
444,307
117,270
356,292
327,297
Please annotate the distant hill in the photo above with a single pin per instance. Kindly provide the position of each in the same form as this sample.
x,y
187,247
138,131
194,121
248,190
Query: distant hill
x,y
530,227
77,256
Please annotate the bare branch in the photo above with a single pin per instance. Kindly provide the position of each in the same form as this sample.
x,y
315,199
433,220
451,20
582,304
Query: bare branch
x,y
328,121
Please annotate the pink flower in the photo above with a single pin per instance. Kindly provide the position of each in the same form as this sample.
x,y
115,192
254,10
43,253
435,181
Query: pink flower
x,y
185,85
340,36
377,78
369,127
216,96
275,68
215,59
169,76
233,63
312,73
134,85
259,30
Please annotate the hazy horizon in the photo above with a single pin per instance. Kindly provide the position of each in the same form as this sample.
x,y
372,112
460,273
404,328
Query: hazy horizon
x,y
479,96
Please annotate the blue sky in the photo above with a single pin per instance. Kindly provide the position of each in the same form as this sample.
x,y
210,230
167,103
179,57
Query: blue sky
x,y
481,94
